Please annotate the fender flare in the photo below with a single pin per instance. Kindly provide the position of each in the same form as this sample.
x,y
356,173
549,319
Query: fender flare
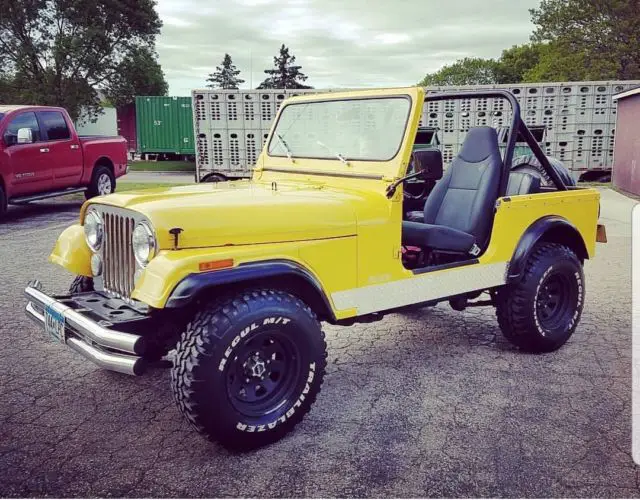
x,y
553,229
186,291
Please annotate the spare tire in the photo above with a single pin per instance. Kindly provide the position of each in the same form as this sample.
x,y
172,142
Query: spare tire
x,y
529,164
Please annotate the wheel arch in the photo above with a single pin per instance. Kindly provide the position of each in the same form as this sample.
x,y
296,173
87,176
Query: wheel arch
x,y
552,229
104,161
283,275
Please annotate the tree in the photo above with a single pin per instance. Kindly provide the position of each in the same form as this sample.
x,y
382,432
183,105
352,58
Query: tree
x,y
285,75
597,39
517,61
60,52
467,71
225,76
139,74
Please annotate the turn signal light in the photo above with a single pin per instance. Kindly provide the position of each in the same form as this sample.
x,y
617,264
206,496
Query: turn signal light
x,y
215,264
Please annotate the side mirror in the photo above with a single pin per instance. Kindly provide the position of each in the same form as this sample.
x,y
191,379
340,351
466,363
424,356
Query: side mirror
x,y
429,163
25,136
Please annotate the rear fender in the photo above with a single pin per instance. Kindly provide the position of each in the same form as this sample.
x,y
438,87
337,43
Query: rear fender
x,y
552,229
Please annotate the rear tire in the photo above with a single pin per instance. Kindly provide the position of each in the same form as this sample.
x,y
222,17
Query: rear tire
x,y
3,203
81,284
541,311
102,183
214,178
248,368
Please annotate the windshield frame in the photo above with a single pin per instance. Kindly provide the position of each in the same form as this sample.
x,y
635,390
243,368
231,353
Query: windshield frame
x,y
329,157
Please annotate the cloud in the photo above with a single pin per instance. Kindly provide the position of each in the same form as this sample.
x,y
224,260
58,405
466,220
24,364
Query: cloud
x,y
359,43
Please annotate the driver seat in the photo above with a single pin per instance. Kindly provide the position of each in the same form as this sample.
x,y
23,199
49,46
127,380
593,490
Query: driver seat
x,y
458,214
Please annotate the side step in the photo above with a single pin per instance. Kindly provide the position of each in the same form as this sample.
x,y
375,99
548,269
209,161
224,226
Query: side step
x,y
19,200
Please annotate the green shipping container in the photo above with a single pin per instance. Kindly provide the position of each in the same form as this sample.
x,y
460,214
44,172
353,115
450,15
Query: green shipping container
x,y
164,125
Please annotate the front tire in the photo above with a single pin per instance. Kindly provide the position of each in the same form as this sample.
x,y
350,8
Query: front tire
x,y
81,284
248,368
541,312
102,183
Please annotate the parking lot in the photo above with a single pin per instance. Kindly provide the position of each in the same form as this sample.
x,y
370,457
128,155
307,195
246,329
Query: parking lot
x,y
428,403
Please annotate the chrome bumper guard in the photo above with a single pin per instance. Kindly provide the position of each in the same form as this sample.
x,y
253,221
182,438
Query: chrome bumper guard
x,y
107,348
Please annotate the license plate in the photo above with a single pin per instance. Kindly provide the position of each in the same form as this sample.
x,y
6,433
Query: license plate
x,y
54,324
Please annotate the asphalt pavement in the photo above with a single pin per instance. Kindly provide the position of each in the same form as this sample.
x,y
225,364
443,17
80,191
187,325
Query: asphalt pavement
x,y
429,403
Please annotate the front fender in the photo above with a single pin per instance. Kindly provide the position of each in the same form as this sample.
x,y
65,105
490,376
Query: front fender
x,y
72,252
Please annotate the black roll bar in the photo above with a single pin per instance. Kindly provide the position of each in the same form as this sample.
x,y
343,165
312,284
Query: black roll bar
x,y
516,125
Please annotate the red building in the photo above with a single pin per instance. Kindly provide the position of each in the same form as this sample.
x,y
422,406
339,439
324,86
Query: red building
x,y
126,119
626,153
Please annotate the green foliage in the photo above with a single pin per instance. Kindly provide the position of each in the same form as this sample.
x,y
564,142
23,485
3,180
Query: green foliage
x,y
285,75
517,61
573,40
589,39
225,76
59,52
467,71
138,74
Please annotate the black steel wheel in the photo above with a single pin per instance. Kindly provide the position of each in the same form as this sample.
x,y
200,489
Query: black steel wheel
x,y
541,311
247,369
263,373
556,298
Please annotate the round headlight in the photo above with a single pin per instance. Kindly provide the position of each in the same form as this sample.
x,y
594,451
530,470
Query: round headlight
x,y
144,244
93,230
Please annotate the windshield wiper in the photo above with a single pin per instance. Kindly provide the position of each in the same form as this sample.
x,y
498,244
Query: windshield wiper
x,y
284,145
337,155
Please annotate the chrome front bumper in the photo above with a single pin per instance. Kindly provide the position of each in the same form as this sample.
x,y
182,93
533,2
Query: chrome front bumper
x,y
110,349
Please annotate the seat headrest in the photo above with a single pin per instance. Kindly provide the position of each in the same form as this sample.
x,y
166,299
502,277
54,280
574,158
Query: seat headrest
x,y
479,144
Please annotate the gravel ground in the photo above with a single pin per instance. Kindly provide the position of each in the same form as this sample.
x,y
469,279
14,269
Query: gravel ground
x,y
429,403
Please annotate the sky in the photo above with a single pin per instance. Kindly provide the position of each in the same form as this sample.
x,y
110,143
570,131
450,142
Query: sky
x,y
339,43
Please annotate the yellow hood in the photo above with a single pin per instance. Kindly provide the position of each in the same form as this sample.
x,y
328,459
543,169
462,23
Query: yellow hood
x,y
242,212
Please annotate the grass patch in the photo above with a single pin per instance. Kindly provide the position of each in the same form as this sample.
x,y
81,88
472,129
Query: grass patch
x,y
595,184
162,166
133,186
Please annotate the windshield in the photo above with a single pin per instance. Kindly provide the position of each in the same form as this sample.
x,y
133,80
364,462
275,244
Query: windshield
x,y
354,129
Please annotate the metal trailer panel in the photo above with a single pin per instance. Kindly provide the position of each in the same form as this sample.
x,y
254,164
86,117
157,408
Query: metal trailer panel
x,y
164,125
579,118
626,157
126,120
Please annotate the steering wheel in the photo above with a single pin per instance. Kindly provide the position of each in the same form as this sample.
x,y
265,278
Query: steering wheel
x,y
415,189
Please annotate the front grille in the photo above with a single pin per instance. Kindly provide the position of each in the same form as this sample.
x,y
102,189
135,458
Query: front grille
x,y
119,265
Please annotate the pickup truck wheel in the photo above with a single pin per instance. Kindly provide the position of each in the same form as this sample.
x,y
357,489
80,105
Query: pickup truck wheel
x,y
81,284
102,182
247,369
540,312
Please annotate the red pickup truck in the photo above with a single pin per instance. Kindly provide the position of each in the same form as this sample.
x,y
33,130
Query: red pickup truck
x,y
42,156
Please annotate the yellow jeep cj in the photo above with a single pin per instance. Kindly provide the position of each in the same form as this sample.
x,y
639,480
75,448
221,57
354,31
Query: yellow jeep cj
x,y
230,281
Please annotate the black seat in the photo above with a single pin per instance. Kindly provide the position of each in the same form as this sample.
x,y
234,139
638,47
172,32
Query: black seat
x,y
458,213
522,183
